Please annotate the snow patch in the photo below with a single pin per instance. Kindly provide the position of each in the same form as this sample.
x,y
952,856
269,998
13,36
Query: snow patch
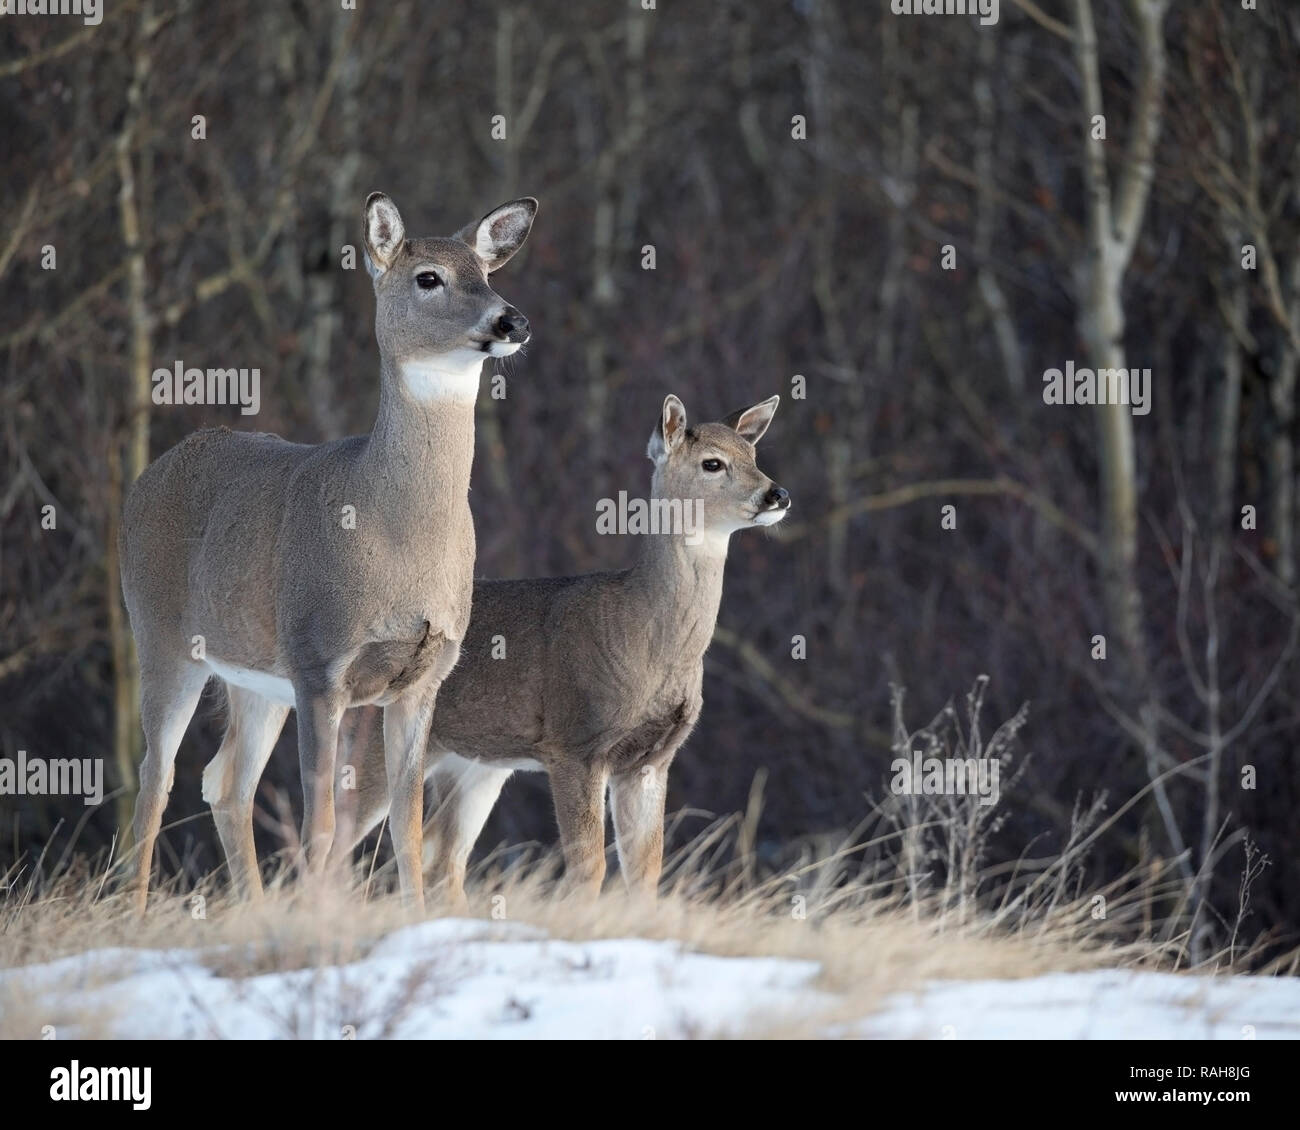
x,y
444,979
476,979
1106,1004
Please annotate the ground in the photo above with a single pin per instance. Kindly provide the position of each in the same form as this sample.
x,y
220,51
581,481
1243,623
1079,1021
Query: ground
x,y
482,979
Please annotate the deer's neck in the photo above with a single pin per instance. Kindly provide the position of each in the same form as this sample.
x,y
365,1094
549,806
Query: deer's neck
x,y
680,586
419,454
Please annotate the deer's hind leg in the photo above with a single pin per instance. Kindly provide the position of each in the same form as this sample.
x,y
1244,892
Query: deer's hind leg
x,y
231,777
464,793
169,692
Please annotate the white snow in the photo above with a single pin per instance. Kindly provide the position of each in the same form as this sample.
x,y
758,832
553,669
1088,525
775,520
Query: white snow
x,y
1105,1004
474,979
445,979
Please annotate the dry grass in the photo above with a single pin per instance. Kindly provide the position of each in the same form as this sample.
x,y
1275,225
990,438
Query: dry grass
x,y
904,899
870,937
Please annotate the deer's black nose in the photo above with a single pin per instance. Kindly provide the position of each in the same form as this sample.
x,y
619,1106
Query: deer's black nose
x,y
512,324
778,497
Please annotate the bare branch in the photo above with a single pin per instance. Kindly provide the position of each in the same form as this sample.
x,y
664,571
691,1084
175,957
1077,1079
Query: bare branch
x,y
1051,23
1139,161
71,43
913,492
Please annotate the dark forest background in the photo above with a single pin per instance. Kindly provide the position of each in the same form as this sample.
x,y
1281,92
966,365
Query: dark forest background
x,y
1173,244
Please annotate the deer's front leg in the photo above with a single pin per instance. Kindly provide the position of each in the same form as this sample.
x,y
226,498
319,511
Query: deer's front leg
x,y
638,803
319,713
406,733
579,793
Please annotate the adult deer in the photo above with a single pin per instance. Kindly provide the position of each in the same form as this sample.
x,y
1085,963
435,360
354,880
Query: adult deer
x,y
323,577
595,679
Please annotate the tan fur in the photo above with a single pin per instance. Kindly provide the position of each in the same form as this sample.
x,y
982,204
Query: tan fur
x,y
602,674
240,538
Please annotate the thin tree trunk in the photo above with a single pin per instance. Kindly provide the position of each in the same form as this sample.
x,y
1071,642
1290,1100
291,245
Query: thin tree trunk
x,y
324,285
126,673
1227,417
1113,227
827,290
126,696
987,216
1112,234
1281,453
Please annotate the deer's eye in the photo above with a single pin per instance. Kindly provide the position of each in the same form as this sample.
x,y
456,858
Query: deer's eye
x,y
427,280
712,464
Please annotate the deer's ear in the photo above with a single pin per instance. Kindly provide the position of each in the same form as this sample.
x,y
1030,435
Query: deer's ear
x,y
751,423
499,234
670,430
385,233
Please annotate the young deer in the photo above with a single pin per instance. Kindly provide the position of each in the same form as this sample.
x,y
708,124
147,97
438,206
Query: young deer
x,y
594,679
329,576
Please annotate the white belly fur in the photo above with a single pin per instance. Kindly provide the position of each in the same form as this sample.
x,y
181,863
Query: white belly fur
x,y
271,687
456,764
518,765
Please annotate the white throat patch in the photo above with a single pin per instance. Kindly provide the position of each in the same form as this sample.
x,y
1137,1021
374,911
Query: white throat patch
x,y
451,376
713,543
